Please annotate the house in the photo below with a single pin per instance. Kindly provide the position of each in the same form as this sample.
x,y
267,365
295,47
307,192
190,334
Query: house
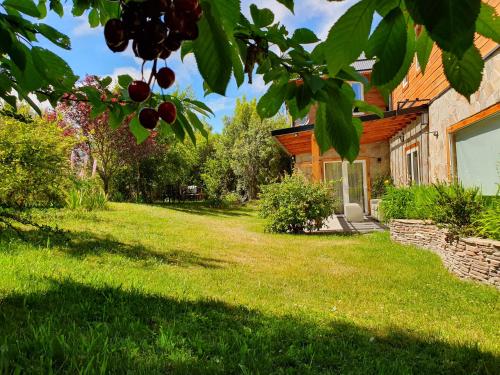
x,y
429,133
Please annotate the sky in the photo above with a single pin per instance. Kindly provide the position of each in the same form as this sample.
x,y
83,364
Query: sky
x,y
90,55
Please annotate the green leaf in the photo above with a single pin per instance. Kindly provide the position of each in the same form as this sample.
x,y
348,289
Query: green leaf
x,y
138,131
488,23
201,105
424,48
105,82
383,7
18,55
186,48
116,117
196,123
54,36
125,80
288,3
450,23
271,102
464,74
354,147
334,124
304,36
57,7
24,6
348,36
228,12
42,8
53,68
237,64
181,119
212,52
94,19
365,107
388,44
408,60
261,17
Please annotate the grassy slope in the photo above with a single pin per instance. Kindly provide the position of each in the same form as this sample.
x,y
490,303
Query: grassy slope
x,y
191,290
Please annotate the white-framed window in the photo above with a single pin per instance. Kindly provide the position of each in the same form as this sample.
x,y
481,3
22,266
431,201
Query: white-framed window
x,y
405,81
413,166
359,92
302,121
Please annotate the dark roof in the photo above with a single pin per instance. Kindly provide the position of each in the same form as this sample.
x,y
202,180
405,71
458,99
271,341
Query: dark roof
x,y
363,64
370,117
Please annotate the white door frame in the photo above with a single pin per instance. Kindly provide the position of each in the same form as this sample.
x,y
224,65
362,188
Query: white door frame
x,y
345,180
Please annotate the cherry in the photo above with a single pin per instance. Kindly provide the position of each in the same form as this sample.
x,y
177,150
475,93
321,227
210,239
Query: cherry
x,y
148,118
146,50
190,31
156,31
165,77
168,112
165,53
186,5
138,91
118,48
114,32
173,41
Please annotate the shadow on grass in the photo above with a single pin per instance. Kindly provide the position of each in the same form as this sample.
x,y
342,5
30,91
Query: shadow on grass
x,y
74,328
204,209
82,244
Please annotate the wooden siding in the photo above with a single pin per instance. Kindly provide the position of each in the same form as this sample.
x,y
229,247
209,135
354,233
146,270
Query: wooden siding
x,y
433,82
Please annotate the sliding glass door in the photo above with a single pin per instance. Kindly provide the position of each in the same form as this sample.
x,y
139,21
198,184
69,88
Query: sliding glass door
x,y
348,182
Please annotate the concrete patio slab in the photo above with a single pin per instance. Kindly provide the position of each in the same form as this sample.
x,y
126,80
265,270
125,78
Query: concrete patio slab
x,y
338,224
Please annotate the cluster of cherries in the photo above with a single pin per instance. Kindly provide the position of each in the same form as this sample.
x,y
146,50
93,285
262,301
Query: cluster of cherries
x,y
157,28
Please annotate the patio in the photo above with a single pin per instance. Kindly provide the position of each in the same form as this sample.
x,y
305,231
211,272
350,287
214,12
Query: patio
x,y
339,224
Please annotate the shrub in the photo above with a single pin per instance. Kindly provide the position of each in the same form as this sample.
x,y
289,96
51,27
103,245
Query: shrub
x,y
413,202
380,184
86,195
487,223
456,207
34,163
295,205
231,199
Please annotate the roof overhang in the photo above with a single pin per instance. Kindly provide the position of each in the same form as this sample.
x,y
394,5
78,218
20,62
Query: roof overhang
x,y
297,140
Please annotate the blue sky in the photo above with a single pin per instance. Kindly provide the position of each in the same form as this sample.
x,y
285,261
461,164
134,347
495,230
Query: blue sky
x,y
89,54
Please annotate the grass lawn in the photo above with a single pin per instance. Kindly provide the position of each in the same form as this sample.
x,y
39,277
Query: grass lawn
x,y
150,289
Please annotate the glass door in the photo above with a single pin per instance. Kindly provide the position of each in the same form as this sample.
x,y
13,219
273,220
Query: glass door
x,y
348,183
333,175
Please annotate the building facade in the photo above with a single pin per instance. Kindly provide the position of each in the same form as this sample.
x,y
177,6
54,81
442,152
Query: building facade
x,y
429,133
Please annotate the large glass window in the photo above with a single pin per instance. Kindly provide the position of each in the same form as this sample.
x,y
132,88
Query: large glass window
x,y
358,90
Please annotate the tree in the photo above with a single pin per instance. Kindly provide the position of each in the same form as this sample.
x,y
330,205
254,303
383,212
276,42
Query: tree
x,y
246,155
227,44
110,148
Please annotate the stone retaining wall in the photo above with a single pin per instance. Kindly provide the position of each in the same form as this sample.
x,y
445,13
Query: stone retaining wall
x,y
469,258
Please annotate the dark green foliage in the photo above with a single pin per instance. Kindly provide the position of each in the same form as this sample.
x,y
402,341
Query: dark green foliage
x,y
34,163
295,205
456,206
487,223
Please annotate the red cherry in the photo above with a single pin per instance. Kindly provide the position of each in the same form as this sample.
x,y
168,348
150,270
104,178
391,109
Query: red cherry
x,y
139,91
165,77
148,118
186,5
114,32
168,112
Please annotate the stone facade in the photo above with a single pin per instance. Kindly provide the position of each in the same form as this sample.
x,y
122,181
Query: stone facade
x,y
431,135
469,258
452,108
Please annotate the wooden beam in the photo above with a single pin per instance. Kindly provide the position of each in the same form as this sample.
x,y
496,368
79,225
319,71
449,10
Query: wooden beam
x,y
316,163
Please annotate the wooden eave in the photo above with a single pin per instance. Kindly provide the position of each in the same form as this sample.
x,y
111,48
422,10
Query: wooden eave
x,y
297,140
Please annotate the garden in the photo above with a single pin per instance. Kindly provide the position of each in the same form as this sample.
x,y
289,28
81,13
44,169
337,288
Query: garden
x,y
142,231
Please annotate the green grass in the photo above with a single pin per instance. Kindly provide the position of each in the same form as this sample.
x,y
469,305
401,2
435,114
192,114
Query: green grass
x,y
187,289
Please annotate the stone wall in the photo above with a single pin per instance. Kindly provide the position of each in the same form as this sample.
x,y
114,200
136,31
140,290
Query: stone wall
x,y
469,258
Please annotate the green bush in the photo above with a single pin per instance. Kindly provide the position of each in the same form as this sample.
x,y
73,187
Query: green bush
x,y
487,223
295,205
86,194
413,202
34,163
456,207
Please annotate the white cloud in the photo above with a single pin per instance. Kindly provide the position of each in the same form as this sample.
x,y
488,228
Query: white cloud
x,y
83,28
221,103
